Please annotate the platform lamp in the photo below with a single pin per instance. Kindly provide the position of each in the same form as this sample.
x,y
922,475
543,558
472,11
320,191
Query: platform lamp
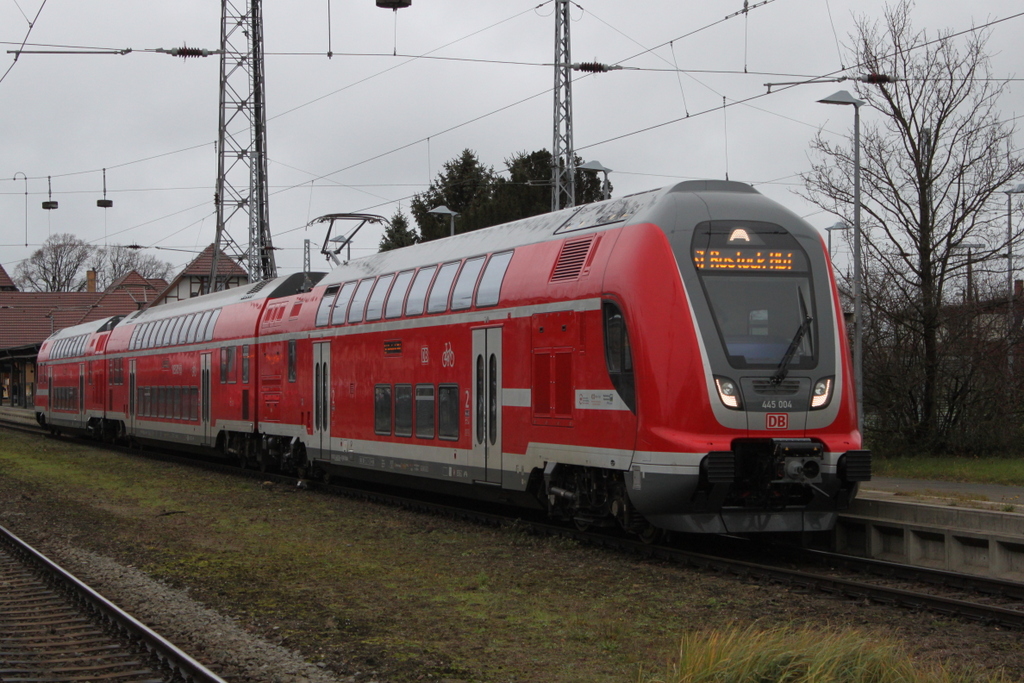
x,y
445,211
104,203
1019,189
838,226
845,98
25,178
596,166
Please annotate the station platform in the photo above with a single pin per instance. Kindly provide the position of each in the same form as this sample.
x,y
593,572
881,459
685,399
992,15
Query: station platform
x,y
25,416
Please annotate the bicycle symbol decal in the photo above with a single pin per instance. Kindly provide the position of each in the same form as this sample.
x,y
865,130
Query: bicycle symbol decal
x,y
448,357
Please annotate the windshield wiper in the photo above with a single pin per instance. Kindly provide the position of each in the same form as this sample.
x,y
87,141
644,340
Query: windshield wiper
x,y
783,369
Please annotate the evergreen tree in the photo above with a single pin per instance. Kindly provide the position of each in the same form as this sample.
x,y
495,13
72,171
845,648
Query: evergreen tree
x,y
398,234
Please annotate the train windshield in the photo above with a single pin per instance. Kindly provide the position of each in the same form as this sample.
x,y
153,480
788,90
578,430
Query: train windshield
x,y
758,284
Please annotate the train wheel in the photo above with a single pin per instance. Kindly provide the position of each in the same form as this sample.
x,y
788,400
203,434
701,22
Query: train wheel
x,y
650,534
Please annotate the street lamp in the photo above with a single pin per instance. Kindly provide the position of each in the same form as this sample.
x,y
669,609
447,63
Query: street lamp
x,y
606,190
1009,275
838,226
969,246
845,98
25,177
445,211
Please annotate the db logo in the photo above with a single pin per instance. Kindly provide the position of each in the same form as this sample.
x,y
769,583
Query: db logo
x,y
776,421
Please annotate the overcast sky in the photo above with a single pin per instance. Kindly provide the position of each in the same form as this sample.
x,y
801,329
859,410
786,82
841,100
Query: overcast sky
x,y
366,130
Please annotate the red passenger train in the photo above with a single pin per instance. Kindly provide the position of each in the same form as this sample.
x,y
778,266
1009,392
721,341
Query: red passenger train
x,y
674,359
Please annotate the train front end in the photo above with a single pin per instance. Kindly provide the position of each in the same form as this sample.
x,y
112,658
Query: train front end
x,y
765,422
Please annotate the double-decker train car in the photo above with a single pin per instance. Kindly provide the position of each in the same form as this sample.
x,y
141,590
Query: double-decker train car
x,y
671,360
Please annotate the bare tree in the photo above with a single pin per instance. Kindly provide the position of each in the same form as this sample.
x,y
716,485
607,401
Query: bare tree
x,y
111,263
934,159
57,266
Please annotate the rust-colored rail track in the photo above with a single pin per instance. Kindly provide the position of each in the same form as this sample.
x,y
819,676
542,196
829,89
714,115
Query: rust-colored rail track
x,y
55,628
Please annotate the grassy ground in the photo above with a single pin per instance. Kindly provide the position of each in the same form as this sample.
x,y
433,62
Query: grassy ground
x,y
363,587
1007,471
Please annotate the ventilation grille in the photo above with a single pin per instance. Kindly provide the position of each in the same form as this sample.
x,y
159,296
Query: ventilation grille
x,y
259,285
571,259
765,387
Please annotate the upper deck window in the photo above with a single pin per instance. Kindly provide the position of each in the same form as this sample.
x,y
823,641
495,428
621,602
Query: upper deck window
x,y
355,312
490,282
341,303
418,291
375,307
462,295
323,313
393,308
442,287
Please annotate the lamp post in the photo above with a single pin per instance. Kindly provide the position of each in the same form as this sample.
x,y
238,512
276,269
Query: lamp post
x,y
838,226
596,166
970,247
445,211
25,178
845,98
1009,276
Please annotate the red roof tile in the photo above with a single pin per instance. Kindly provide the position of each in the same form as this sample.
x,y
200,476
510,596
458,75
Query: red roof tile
x,y
6,283
201,264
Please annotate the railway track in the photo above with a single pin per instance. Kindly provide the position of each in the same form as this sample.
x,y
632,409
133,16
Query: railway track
x,y
974,598
55,628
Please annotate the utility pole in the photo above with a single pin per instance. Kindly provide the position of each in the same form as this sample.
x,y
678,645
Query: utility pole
x,y
242,142
563,171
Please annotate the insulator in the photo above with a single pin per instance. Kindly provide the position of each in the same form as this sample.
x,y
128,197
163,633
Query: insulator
x,y
877,78
590,67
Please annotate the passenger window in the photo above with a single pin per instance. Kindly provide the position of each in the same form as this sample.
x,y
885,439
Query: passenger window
x,y
462,295
418,292
442,286
490,283
292,360
165,331
375,308
323,313
341,304
425,411
403,410
382,409
355,312
448,411
227,365
193,327
393,308
245,364
211,324
183,332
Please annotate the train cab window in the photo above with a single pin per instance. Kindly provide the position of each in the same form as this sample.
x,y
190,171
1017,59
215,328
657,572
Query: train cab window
x,y
341,303
462,295
375,306
323,312
403,410
442,287
355,311
382,409
292,360
418,291
393,307
448,412
618,355
425,411
488,291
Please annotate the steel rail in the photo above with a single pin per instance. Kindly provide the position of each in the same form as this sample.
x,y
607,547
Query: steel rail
x,y
170,659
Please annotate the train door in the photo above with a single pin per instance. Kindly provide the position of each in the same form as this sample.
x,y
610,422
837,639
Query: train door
x,y
131,396
322,400
487,402
204,395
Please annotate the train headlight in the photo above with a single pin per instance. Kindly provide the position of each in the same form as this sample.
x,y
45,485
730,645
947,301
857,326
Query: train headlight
x,y
729,392
821,395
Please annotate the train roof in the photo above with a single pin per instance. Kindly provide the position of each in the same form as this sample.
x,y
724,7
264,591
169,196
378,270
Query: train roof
x,y
286,285
598,216
101,325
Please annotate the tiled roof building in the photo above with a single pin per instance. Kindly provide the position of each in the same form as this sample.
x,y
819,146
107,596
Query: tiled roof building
x,y
192,280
